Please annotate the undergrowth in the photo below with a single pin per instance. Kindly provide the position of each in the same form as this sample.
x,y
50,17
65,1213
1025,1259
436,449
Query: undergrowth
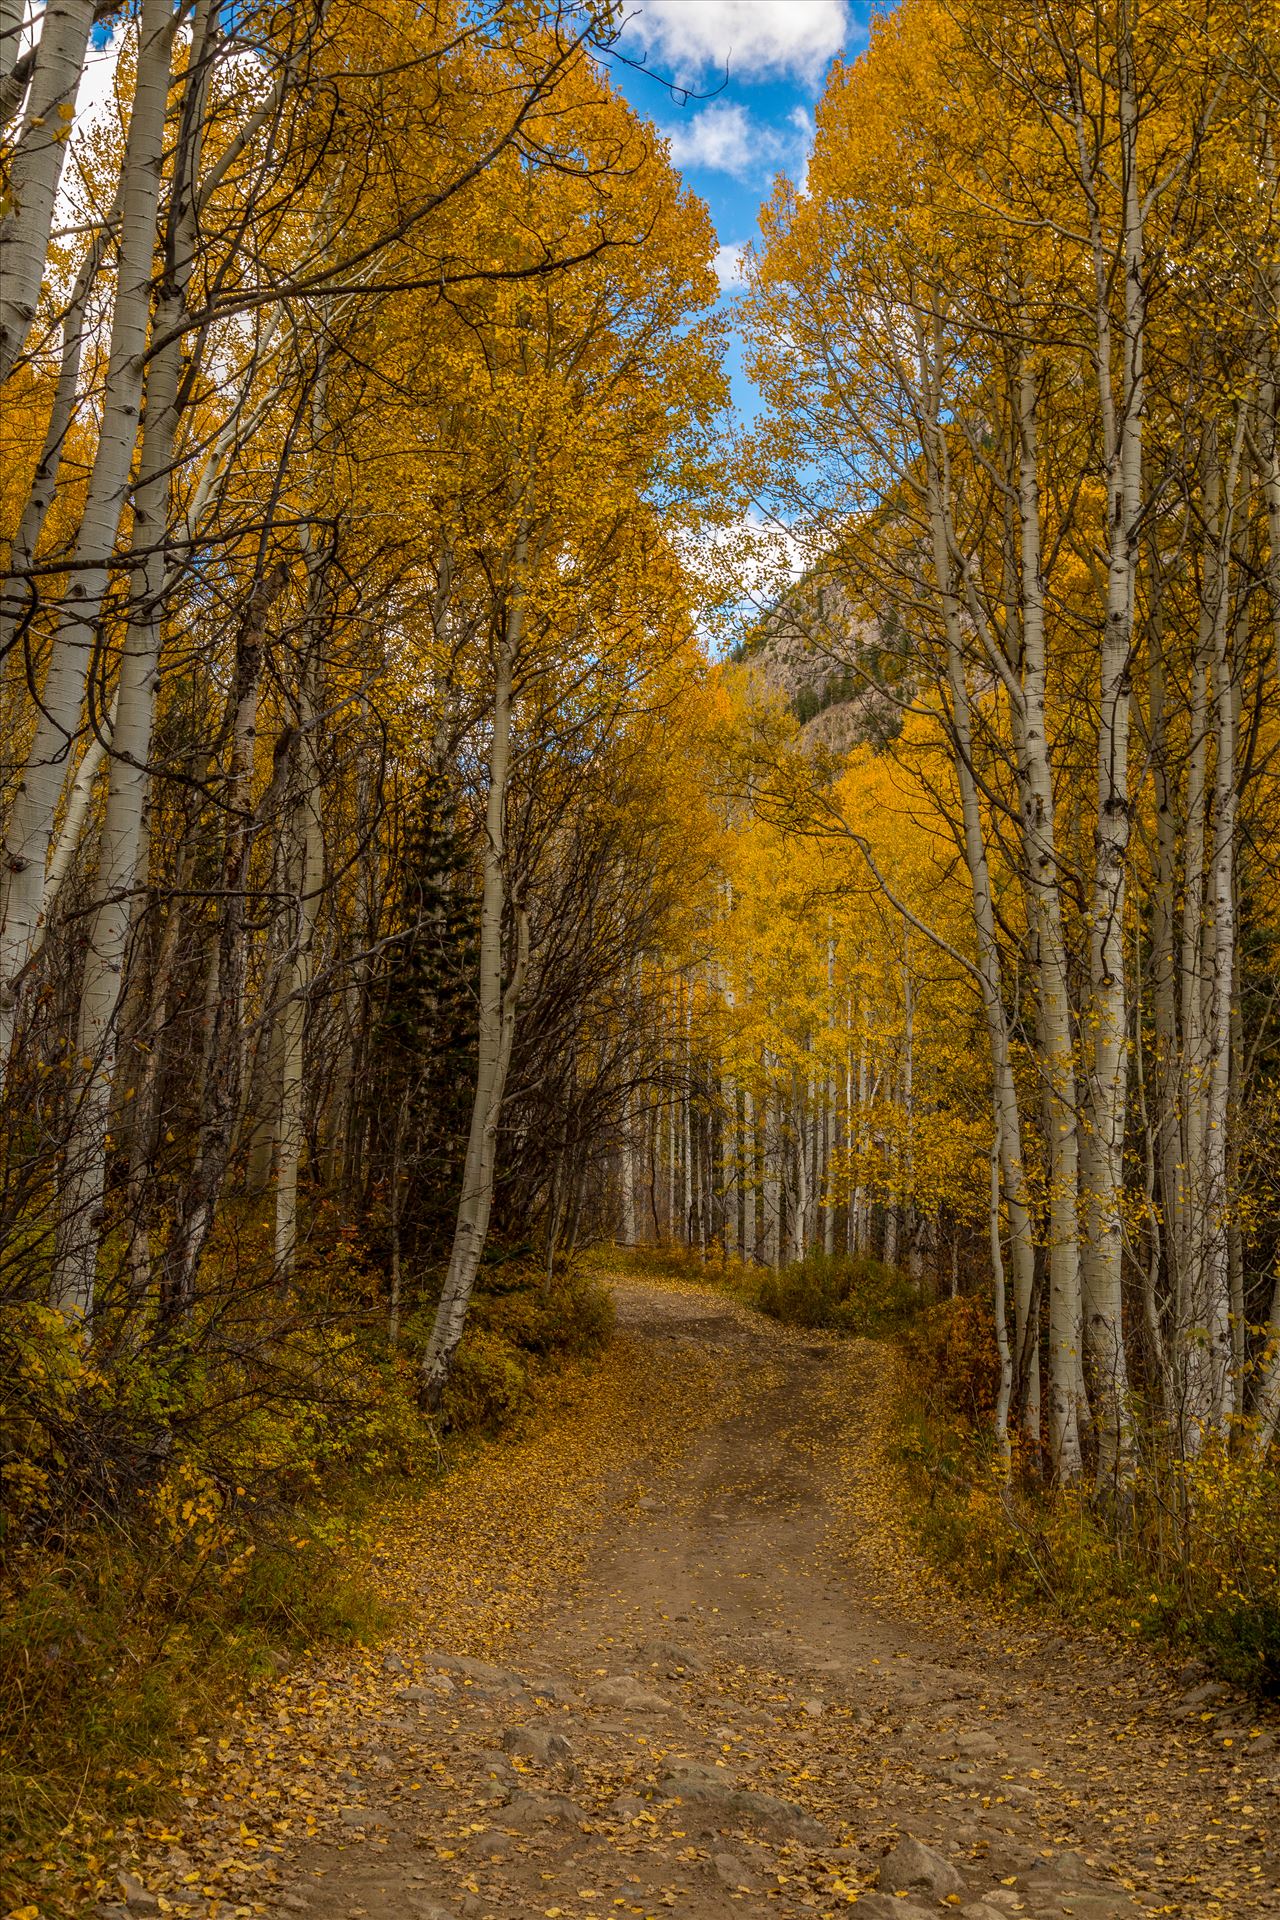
x,y
177,1528
521,1325
1190,1558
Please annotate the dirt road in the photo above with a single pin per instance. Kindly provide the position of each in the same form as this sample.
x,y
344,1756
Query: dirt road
x,y
696,1669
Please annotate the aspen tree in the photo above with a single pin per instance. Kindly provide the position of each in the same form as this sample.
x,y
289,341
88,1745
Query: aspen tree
x,y
499,994
31,818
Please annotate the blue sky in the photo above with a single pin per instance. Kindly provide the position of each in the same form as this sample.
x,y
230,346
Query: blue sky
x,y
763,61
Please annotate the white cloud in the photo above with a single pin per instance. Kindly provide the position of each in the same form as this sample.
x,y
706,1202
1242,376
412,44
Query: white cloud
x,y
729,267
726,139
801,120
776,553
751,37
722,137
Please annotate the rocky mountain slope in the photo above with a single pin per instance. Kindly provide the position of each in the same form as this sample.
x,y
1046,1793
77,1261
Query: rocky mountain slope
x,y
843,676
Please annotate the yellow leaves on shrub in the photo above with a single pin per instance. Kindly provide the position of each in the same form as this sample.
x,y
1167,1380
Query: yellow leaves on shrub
x,y
1232,1509
187,1506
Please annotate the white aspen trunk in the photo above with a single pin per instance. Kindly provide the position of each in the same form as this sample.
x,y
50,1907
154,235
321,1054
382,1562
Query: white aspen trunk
x,y
220,1079
1235,1244
258,1119
697,1224
65,847
646,1171
1268,437
706,1214
1107,1054
910,1217
1004,1395
1161,1128
848,1138
732,1178
861,1208
12,15
336,1127
84,1172
828,1146
1008,1133
305,867
814,1228
1009,1118
1271,479
1204,1322
686,1121
1151,1314
1185,1225
157,582
628,1177
497,1016
123,835
738,1148
799,1219
1265,1417
916,1226
772,1221
715,1190
672,1171
35,168
730,1162
823,1181
1211,1408
342,1152
847,1144
1050,963
749,1245
144,1122
30,826
18,594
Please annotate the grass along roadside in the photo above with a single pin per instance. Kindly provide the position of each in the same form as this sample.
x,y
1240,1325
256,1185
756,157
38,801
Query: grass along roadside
x,y
1189,1565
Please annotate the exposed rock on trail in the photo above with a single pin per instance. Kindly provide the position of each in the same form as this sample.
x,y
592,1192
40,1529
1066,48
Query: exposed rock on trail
x,y
700,1671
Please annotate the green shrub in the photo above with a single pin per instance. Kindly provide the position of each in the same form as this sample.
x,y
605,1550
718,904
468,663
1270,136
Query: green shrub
x,y
667,1261
520,1325
1242,1638
572,1313
295,1595
182,1504
582,1311
850,1293
142,1585
488,1387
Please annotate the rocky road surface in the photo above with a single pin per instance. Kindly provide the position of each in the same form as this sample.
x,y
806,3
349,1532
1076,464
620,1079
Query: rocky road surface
x,y
753,1698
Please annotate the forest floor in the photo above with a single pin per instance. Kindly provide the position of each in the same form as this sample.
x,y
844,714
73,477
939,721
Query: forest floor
x,y
672,1651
